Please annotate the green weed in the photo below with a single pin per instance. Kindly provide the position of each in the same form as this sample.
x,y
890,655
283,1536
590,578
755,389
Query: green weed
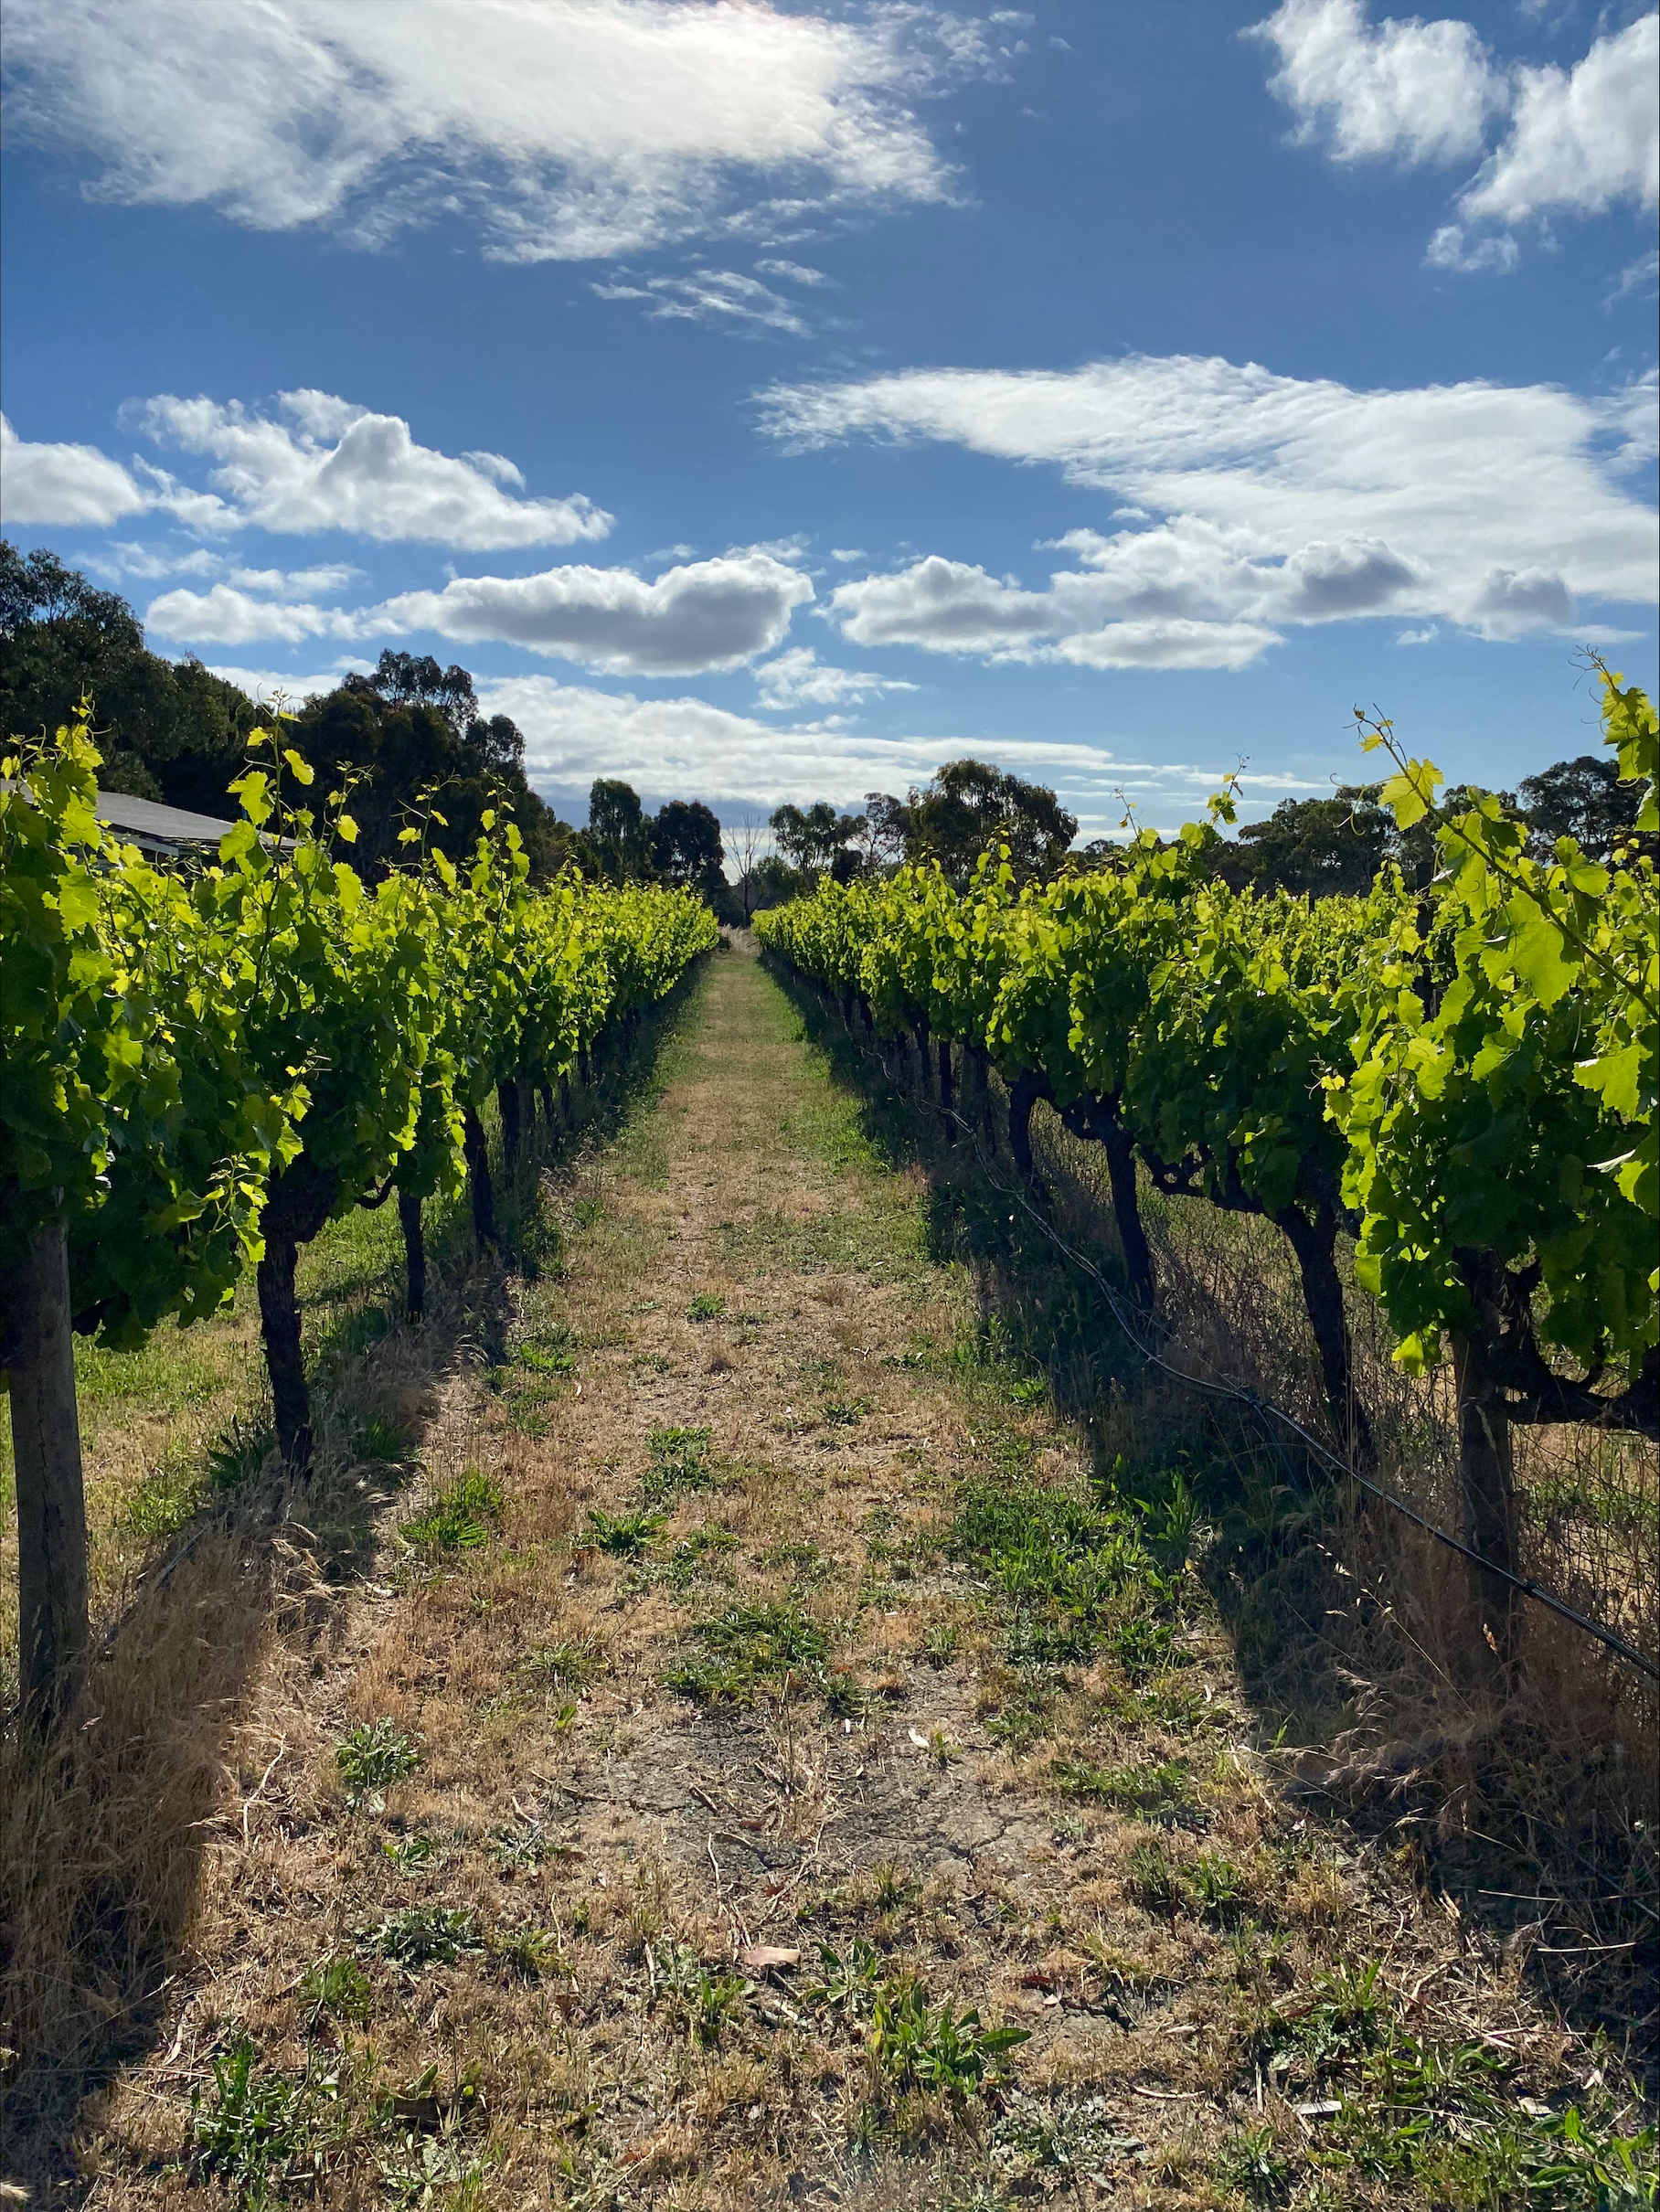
x,y
527,1953
625,1535
255,2131
704,2002
679,1461
1160,1793
566,1667
338,1985
462,1518
924,2047
1071,1574
706,1306
238,1452
409,1853
424,1935
379,1443
371,1758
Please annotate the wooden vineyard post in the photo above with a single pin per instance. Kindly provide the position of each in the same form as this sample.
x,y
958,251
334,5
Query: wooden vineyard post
x,y
51,1500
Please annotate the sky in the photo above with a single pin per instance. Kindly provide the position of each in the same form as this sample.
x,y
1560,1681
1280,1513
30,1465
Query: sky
x,y
769,402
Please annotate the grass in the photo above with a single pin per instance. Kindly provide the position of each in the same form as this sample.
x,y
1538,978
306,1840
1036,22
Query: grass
x,y
749,1648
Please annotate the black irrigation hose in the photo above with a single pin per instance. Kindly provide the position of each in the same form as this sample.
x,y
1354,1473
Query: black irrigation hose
x,y
1240,1395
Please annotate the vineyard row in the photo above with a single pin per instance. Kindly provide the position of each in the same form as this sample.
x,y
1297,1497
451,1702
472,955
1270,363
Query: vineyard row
x,y
1461,1078
202,1070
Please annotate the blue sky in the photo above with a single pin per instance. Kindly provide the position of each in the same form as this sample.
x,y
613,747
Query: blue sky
x,y
772,402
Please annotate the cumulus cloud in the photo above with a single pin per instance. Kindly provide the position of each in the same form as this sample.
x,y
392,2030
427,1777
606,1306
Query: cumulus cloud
x,y
799,678
325,463
712,614
1286,500
1419,91
561,129
721,298
229,616
686,746
1581,140
74,487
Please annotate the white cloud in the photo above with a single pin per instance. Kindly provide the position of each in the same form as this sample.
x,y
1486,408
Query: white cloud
x,y
711,614
846,553
794,272
74,487
149,563
799,678
561,129
1638,277
1581,140
721,298
266,686
1427,635
329,464
686,746
1421,91
1446,249
1175,644
1288,500
328,577
225,616
708,615
948,606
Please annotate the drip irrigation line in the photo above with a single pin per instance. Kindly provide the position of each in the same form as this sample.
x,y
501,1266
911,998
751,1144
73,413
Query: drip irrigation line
x,y
1241,1394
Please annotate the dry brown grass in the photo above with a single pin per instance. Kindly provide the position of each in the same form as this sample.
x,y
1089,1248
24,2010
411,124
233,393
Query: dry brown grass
x,y
620,1849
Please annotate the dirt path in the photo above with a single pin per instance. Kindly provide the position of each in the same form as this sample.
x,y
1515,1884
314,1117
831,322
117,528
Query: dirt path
x,y
746,1732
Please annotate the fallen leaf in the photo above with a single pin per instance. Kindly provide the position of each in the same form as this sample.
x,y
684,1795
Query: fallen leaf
x,y
921,1742
760,1956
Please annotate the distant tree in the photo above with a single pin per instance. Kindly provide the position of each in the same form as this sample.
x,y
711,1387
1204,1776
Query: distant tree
x,y
774,883
169,730
406,679
887,827
686,848
412,729
617,839
815,838
972,805
1311,847
746,842
1583,799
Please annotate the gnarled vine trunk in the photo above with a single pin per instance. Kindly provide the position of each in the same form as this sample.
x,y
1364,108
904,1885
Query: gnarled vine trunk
x,y
475,1149
300,1203
1487,1484
414,1255
1315,1241
1025,1091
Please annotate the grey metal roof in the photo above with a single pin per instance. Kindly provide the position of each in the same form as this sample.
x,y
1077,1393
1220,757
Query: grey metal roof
x,y
143,822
